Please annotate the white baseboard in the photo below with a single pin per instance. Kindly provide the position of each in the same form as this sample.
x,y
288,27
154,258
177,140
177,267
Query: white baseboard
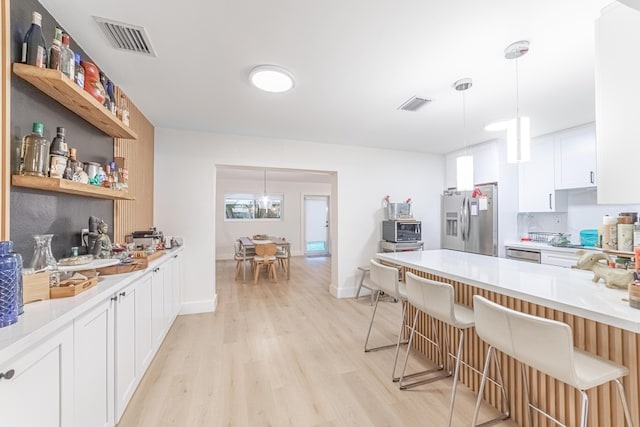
x,y
343,292
195,307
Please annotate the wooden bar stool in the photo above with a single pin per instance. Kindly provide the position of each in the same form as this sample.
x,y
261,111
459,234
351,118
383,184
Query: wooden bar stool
x,y
547,346
385,279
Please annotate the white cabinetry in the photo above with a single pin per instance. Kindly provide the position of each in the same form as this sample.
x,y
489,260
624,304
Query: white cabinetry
x,y
617,107
36,388
125,347
575,157
485,164
158,325
93,362
177,284
167,273
144,336
536,182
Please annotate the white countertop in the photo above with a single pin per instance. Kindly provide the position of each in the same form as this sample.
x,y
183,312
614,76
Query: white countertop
x,y
42,318
544,246
564,289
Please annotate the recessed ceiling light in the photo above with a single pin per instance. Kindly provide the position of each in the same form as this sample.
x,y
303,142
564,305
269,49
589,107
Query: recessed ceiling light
x,y
272,78
496,126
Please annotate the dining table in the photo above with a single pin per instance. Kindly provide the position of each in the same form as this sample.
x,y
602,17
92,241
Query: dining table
x,y
248,246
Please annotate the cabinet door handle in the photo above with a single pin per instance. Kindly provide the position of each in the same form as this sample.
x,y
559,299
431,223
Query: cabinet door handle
x,y
550,207
7,375
176,256
114,298
123,294
592,177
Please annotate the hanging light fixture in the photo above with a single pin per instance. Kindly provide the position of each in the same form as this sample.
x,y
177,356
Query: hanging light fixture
x,y
519,128
464,164
264,202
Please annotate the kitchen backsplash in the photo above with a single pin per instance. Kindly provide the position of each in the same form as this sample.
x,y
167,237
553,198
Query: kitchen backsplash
x,y
583,212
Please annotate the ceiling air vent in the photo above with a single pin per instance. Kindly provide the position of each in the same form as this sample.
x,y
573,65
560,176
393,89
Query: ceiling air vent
x,y
131,38
414,103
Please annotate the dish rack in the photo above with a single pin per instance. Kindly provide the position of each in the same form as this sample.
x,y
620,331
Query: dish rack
x,y
542,236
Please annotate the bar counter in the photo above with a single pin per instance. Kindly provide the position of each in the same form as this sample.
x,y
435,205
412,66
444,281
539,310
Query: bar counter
x,y
601,321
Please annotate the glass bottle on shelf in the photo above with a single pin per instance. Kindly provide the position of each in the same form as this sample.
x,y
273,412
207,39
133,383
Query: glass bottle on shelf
x,y
68,62
34,49
79,69
59,146
123,111
55,53
34,152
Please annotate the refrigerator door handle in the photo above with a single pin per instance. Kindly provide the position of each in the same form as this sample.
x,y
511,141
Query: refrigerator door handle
x,y
468,219
463,219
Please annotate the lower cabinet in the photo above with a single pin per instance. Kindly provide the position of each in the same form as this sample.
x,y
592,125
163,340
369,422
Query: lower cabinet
x,y
143,320
158,325
36,388
93,335
125,348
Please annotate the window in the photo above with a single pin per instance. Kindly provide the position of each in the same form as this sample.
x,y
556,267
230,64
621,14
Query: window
x,y
253,206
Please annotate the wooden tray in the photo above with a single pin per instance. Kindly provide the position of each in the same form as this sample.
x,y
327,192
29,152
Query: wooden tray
x,y
137,264
143,254
73,289
35,287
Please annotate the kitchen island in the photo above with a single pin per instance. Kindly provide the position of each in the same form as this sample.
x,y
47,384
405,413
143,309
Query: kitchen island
x,y
602,323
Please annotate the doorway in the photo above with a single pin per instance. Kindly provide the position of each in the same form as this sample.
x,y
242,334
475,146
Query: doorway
x,y
316,225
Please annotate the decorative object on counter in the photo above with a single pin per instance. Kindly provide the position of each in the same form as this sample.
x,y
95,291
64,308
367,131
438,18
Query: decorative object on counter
x,y
560,240
92,81
10,280
55,53
76,259
34,152
634,291
588,237
34,49
43,258
68,61
613,277
609,233
79,77
625,237
99,241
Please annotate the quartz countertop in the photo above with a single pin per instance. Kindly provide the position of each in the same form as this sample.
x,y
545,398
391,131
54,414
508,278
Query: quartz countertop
x,y
565,289
42,318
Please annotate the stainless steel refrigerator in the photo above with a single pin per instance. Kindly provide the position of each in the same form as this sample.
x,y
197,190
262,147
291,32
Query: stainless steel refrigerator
x,y
470,220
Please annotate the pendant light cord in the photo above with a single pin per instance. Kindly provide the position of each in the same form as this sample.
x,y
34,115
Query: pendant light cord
x,y
464,121
517,92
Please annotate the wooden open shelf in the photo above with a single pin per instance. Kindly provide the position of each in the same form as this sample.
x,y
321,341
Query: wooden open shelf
x,y
70,95
619,253
68,187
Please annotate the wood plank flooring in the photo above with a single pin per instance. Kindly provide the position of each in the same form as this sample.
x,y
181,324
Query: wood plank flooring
x,y
287,354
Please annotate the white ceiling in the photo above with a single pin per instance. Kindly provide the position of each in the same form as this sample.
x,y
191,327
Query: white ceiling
x,y
355,62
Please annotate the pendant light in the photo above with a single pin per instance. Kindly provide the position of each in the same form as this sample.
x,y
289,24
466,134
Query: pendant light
x,y
464,164
519,128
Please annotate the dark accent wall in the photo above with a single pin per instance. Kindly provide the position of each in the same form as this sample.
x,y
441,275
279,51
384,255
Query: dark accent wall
x,y
40,212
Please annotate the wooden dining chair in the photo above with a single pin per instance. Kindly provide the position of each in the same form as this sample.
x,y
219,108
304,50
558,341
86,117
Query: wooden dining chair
x,y
240,258
265,256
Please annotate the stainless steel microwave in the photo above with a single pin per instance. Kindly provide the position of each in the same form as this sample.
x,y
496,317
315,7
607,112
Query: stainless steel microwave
x,y
401,231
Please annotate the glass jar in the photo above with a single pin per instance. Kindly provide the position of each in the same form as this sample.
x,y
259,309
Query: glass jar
x,y
43,258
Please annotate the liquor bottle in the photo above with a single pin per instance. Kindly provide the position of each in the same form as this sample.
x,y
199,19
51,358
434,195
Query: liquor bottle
x,y
112,97
34,152
123,111
34,49
67,65
116,176
107,98
55,53
59,146
79,71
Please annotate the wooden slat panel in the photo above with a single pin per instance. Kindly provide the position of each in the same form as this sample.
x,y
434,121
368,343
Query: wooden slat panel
x,y
5,120
135,215
560,399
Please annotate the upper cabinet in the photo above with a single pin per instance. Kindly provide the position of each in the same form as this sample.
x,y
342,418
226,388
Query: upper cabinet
x,y
575,158
73,97
485,164
536,183
617,109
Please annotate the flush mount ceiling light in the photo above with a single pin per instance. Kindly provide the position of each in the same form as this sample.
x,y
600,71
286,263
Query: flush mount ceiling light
x,y
518,129
464,164
272,78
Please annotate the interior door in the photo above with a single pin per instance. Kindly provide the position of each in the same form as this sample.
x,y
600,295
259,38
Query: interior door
x,y
316,225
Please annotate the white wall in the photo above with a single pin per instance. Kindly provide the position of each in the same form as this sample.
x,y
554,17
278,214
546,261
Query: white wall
x,y
289,227
185,194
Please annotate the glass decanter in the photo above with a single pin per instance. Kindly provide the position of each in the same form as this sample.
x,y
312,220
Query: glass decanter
x,y
43,258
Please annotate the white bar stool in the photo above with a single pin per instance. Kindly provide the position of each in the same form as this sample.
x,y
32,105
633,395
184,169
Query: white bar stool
x,y
364,283
385,279
437,300
547,346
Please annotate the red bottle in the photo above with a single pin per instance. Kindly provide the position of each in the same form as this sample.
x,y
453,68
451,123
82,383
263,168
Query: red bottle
x,y
92,81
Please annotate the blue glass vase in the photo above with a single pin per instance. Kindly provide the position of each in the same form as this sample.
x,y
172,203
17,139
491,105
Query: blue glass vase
x,y
10,274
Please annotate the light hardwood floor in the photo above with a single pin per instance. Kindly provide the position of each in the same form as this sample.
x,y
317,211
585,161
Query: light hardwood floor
x,y
286,354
